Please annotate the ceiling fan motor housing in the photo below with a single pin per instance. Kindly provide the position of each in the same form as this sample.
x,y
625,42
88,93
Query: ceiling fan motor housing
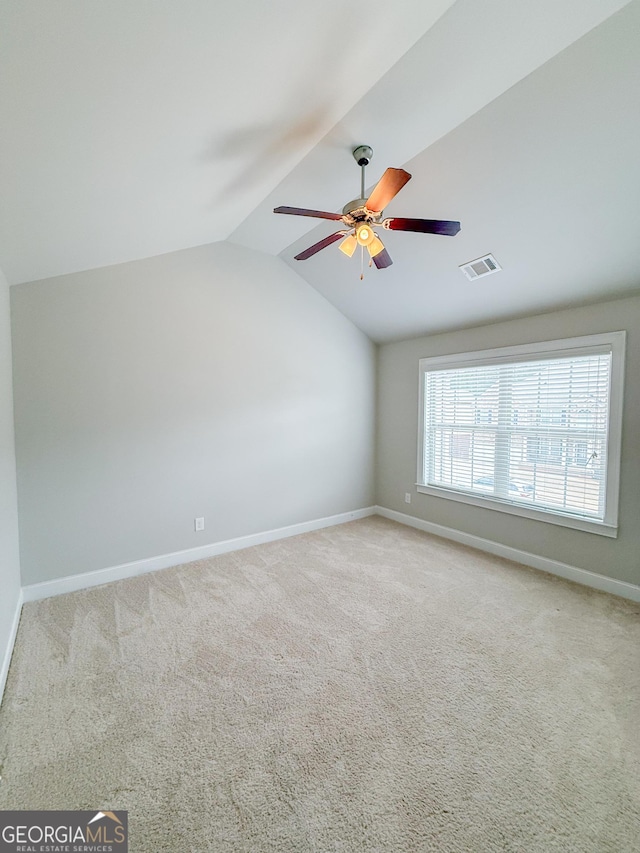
x,y
356,211
354,205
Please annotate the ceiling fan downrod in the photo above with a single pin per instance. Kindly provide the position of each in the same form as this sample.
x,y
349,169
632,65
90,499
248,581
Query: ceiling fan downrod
x,y
362,155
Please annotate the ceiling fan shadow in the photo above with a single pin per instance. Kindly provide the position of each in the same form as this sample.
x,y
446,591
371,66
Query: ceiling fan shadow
x,y
263,149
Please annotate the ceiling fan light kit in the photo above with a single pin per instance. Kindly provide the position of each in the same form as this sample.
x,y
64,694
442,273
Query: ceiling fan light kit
x,y
363,215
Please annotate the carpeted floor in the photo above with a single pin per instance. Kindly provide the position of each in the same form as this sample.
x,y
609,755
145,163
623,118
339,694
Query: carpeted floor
x,y
363,688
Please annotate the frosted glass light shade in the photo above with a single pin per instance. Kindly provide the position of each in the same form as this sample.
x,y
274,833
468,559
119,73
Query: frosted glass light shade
x,y
348,245
365,234
375,246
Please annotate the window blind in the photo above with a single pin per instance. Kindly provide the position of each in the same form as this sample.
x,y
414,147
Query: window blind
x,y
532,432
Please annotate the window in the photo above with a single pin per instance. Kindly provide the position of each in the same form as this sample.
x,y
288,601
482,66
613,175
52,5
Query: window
x,y
532,430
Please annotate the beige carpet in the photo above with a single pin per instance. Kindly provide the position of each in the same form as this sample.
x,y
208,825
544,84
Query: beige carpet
x,y
363,688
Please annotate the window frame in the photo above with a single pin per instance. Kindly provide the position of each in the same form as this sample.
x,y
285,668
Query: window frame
x,y
563,347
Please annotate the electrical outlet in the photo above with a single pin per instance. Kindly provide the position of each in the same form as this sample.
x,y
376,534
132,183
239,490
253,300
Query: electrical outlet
x,y
407,497
198,524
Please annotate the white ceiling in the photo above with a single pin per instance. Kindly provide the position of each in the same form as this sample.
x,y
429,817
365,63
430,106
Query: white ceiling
x,y
130,129
133,129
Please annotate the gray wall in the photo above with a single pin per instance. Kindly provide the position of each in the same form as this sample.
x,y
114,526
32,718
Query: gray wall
x,y
9,561
209,382
397,441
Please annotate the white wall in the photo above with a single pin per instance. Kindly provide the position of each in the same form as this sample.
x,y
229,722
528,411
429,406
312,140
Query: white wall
x,y
209,382
9,561
397,441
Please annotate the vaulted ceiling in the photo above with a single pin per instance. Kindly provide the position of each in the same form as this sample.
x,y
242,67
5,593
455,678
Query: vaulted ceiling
x,y
134,129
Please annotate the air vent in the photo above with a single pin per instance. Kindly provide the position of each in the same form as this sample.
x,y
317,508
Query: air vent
x,y
480,267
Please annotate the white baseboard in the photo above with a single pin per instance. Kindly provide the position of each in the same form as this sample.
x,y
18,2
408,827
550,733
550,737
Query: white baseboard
x,y
563,570
6,660
72,583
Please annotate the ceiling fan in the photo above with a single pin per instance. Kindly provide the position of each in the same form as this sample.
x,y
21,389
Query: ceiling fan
x,y
363,215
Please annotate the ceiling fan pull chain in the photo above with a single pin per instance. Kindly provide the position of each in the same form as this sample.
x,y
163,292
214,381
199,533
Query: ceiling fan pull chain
x,y
361,262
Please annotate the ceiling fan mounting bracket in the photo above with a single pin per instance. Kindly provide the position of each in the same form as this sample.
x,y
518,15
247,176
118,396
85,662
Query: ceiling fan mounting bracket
x,y
363,155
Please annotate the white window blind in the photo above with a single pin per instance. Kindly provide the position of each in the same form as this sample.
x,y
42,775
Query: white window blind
x,y
523,429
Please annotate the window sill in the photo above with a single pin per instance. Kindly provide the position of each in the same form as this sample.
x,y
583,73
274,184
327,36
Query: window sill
x,y
487,502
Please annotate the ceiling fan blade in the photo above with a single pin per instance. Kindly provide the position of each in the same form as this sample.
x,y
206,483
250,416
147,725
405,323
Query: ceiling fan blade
x,y
424,226
303,211
387,187
382,259
322,244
